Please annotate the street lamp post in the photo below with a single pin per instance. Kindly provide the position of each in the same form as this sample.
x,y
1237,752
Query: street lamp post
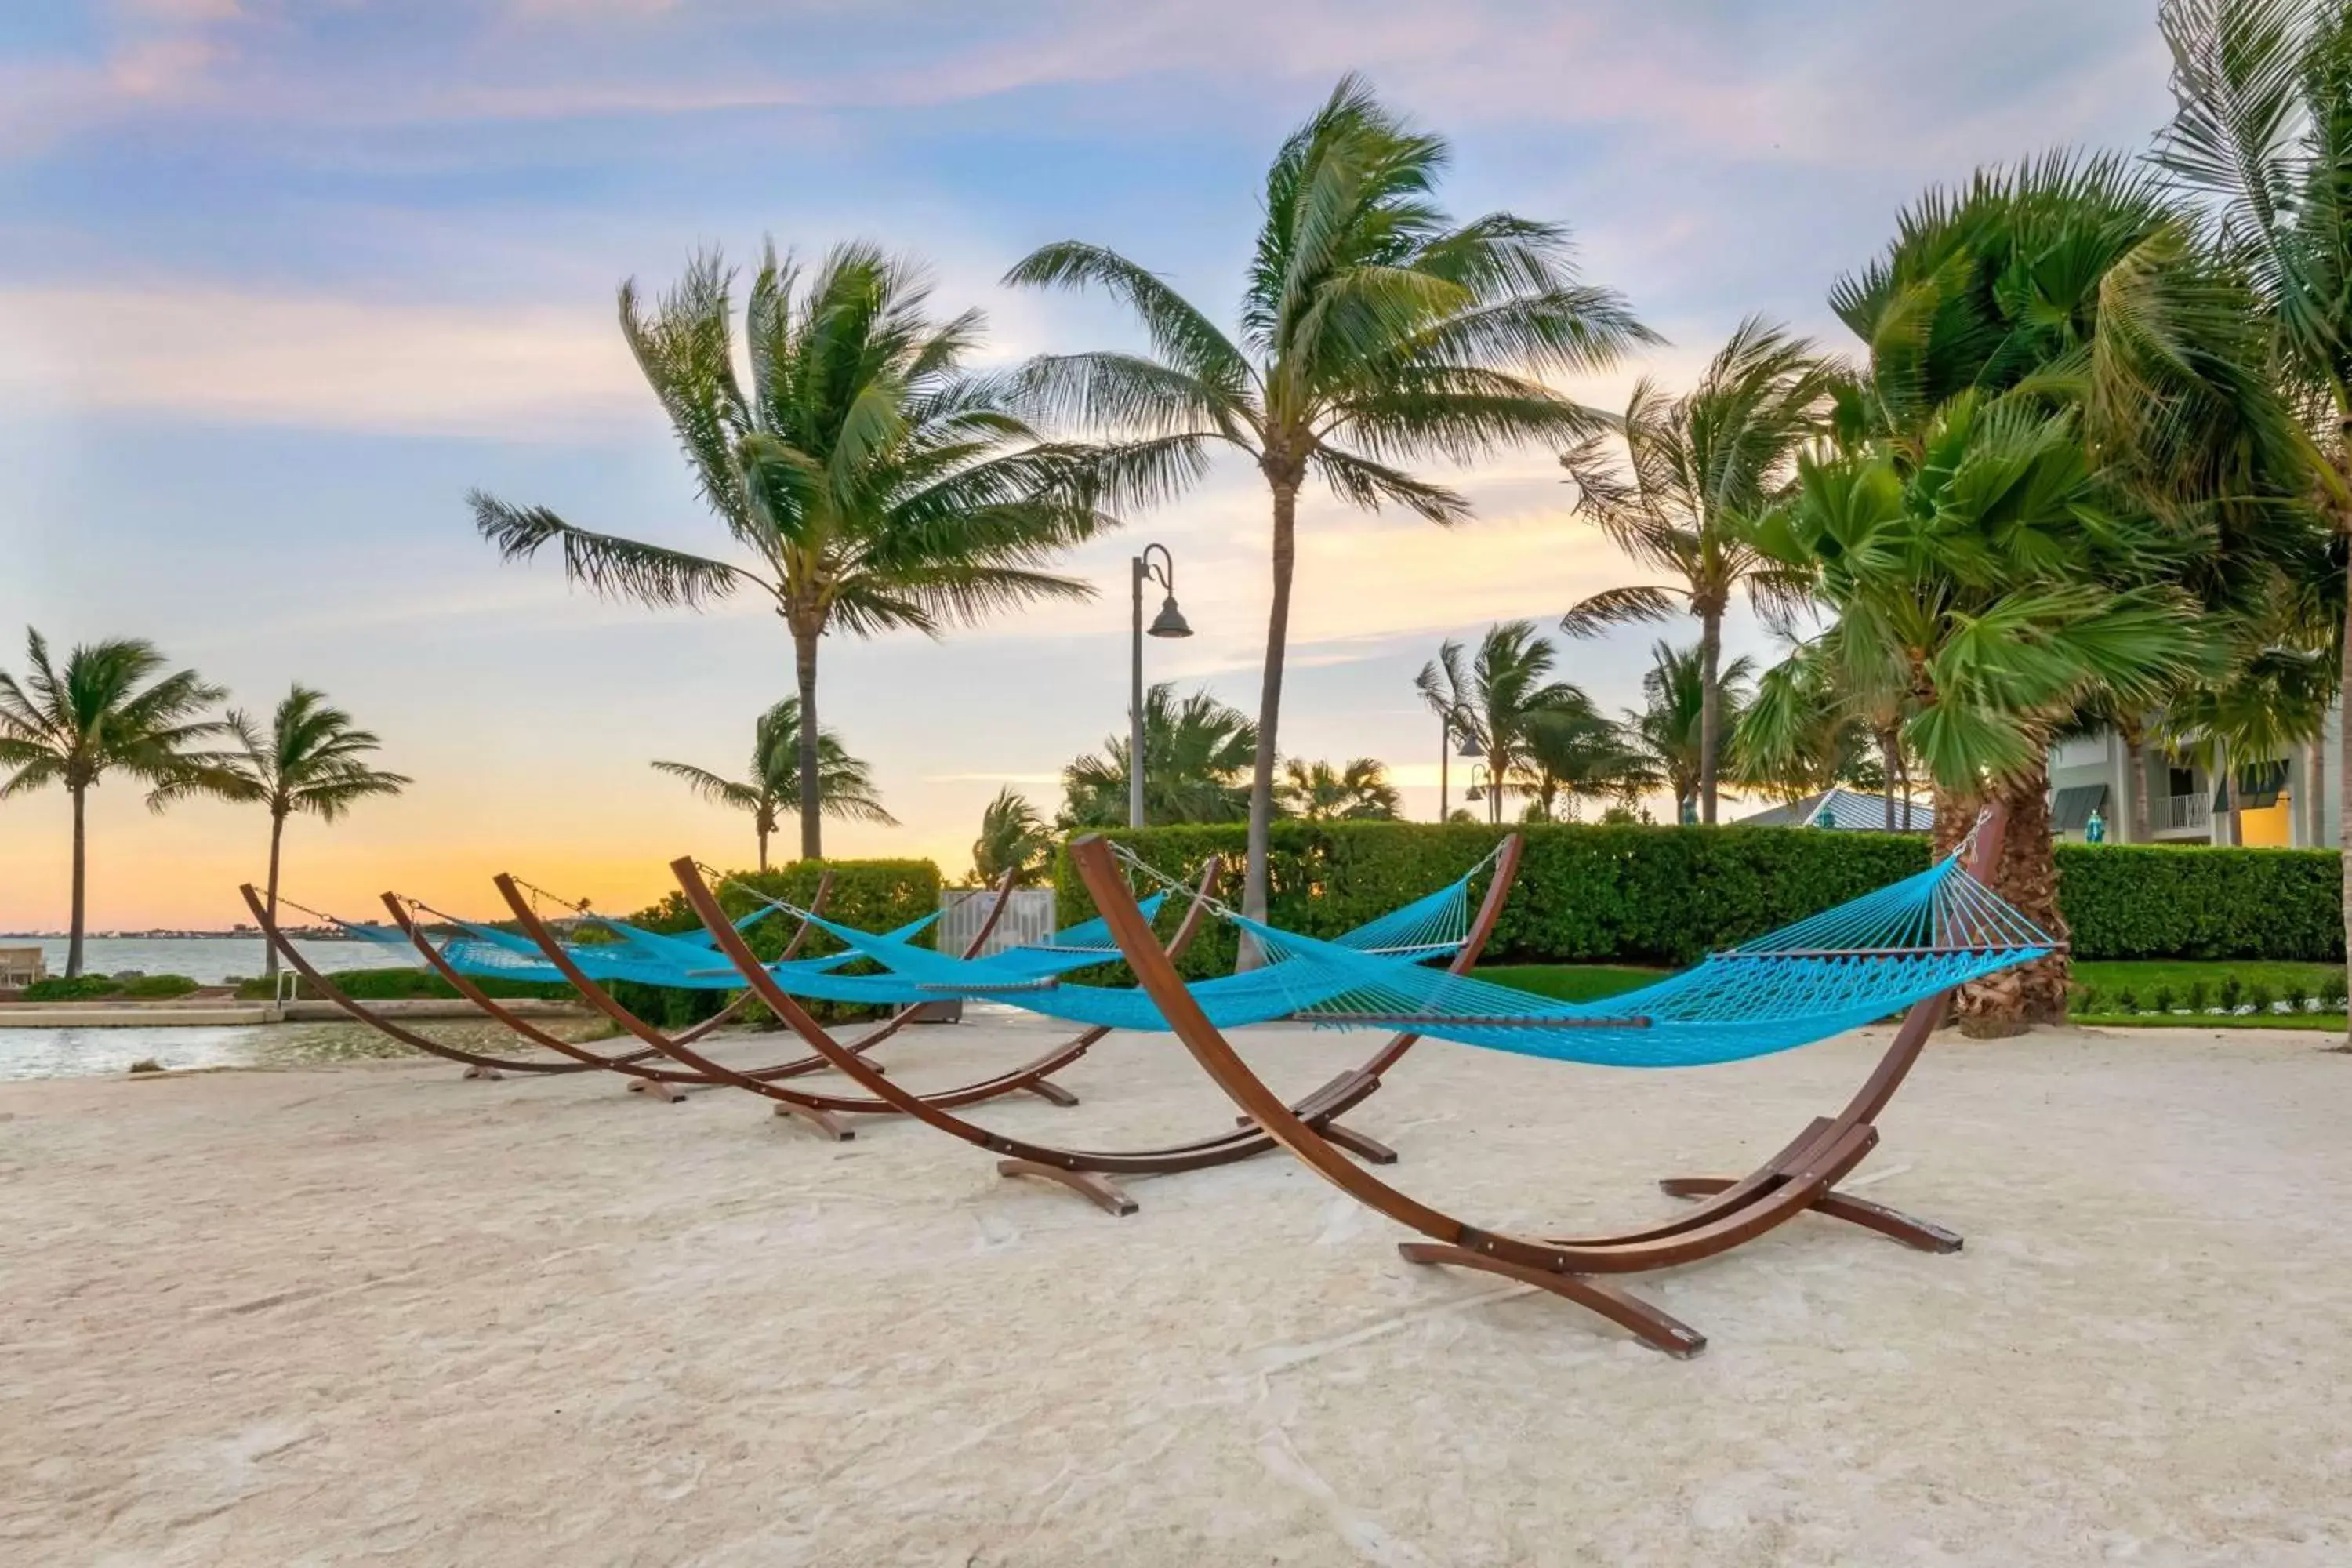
x,y
1447,729
1477,791
1168,623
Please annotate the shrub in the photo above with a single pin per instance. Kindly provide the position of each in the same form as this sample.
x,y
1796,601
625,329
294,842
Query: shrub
x,y
2087,1001
2127,1004
2259,995
82,988
2295,997
2200,996
2234,992
2163,998
150,987
1632,893
2332,993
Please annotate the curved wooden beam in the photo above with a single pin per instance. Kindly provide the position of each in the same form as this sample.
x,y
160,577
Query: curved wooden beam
x,y
477,1064
1086,1170
821,1111
1803,1178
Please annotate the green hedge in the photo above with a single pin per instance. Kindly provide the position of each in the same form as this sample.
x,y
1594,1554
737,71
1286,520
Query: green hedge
x,y
2155,900
872,895
1667,895
399,984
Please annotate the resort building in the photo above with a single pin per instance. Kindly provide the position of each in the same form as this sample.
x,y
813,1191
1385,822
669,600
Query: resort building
x,y
2292,801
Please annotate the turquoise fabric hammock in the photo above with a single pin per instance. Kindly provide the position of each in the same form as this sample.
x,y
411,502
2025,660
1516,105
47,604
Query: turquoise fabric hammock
x,y
1839,970
656,958
1429,927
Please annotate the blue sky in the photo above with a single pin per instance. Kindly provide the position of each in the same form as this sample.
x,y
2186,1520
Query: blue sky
x,y
280,282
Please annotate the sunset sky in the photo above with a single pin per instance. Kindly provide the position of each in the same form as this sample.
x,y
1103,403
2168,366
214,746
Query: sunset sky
x,y
280,281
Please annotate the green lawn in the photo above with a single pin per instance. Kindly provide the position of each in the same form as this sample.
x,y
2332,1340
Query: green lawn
x,y
2102,983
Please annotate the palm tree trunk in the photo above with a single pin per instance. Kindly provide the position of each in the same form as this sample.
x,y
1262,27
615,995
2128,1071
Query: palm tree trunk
x,y
2013,1001
1269,702
270,957
1710,713
2314,788
1888,746
2344,772
811,817
763,851
80,904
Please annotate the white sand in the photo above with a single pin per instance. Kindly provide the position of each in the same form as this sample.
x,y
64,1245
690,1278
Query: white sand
x,y
377,1312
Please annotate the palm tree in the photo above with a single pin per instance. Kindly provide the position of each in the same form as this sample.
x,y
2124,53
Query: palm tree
x,y
313,760
1997,587
1375,332
1666,729
1498,697
1700,468
1195,752
874,485
104,712
1012,838
1803,732
1317,791
2260,712
1577,755
2262,141
845,784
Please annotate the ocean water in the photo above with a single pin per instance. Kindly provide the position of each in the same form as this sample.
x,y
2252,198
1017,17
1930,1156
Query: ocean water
x,y
207,959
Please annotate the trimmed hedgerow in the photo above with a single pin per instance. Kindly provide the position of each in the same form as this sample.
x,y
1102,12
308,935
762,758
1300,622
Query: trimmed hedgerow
x,y
1667,895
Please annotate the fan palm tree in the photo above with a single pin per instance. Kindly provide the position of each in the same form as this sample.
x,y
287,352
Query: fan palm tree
x,y
1699,469
1012,838
2260,712
845,784
1497,697
312,758
1375,332
872,483
1196,753
1666,729
107,711
1317,791
1802,733
1998,587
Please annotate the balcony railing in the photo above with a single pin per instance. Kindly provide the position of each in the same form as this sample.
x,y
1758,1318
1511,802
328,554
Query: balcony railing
x,y
2184,811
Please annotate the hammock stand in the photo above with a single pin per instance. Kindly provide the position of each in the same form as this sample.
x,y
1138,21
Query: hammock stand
x,y
667,1083
1089,1172
1803,1177
820,1113
479,1065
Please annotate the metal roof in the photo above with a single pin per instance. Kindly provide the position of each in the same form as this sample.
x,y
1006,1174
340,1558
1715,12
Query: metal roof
x,y
1849,810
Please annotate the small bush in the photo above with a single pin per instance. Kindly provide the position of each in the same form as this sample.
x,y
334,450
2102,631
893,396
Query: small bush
x,y
2164,998
2200,996
152,987
2234,992
2086,1000
2127,1003
2259,995
2295,997
2332,993
83,988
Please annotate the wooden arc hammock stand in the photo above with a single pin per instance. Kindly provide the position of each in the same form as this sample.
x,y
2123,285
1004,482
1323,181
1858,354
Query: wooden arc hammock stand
x,y
818,1110
1802,1177
479,1065
1089,1172
669,1083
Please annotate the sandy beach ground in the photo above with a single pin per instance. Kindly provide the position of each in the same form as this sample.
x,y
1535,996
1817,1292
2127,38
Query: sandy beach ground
x,y
373,1312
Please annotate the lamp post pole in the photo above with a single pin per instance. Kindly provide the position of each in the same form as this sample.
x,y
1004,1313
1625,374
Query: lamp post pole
x,y
1168,623
1444,759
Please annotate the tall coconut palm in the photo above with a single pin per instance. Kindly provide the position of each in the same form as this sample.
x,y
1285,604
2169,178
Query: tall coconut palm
x,y
1666,729
1196,751
1699,471
1375,332
873,485
1012,838
107,711
1497,695
772,786
1576,754
1317,792
311,760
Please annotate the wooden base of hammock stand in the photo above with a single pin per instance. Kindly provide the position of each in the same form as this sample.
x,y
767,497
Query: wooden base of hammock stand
x,y
1803,1178
1091,1173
